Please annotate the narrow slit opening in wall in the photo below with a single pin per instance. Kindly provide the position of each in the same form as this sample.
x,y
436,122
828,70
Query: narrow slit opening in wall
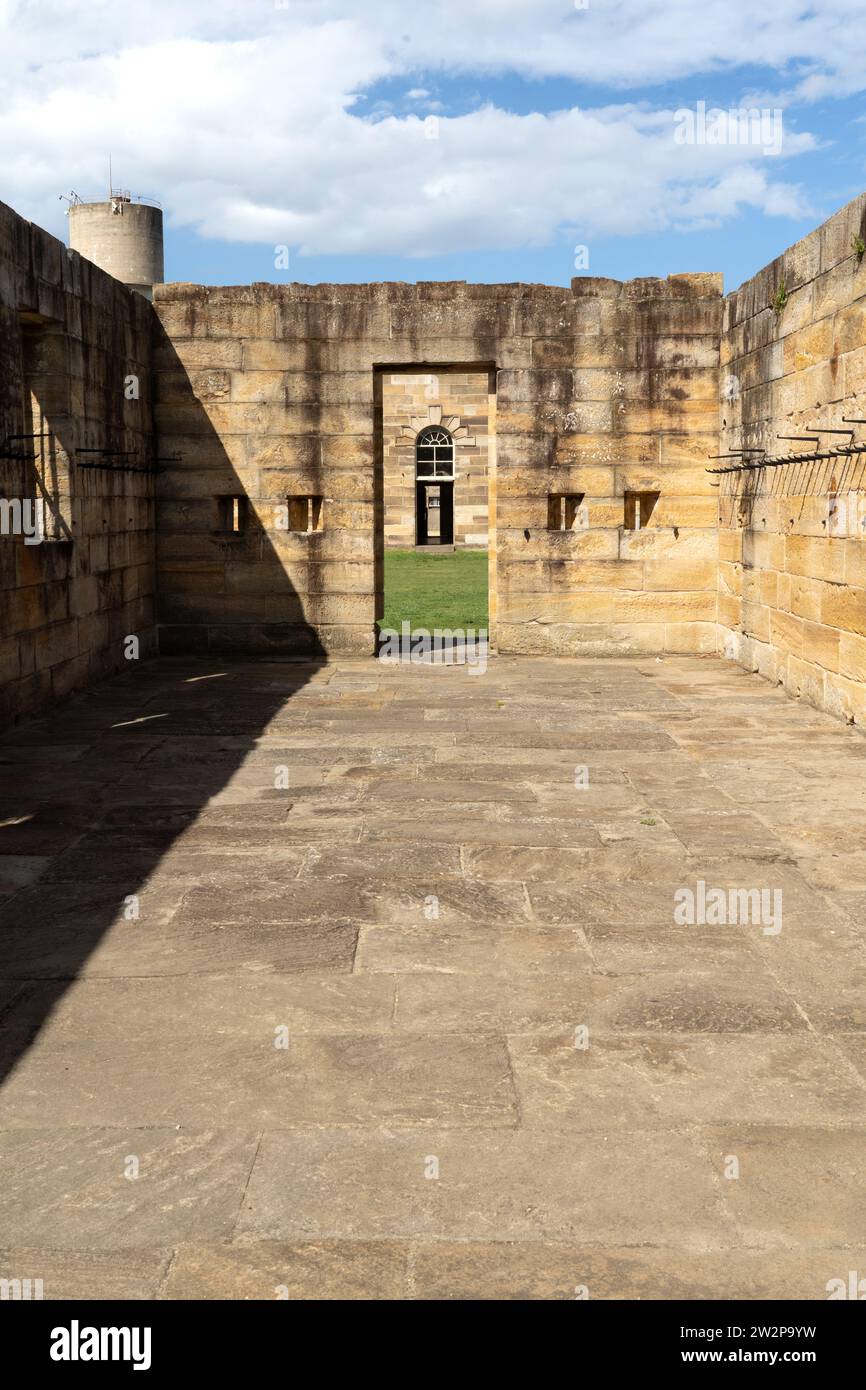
x,y
306,513
638,509
232,514
565,511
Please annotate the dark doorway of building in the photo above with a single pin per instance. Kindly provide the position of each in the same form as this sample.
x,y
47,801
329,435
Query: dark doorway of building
x,y
434,514
434,487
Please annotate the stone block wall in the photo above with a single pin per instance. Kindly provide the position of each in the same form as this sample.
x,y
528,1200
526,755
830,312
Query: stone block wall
x,y
266,396
460,400
618,400
792,571
74,371
280,392
275,411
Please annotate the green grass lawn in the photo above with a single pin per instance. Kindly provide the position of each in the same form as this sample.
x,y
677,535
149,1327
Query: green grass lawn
x,y
430,591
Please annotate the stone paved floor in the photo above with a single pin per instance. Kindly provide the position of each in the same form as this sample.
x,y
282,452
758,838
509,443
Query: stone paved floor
x,y
167,909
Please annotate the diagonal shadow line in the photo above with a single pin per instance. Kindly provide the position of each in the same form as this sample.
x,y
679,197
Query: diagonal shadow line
x,y
96,795
117,801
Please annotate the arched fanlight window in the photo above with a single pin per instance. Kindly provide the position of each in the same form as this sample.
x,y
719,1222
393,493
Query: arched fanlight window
x,y
434,453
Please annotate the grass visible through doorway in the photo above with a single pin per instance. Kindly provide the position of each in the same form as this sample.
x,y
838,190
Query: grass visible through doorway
x,y
435,591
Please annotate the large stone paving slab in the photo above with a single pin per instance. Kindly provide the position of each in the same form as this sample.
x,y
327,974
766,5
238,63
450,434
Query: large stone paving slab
x,y
362,981
454,1080
69,1187
519,1184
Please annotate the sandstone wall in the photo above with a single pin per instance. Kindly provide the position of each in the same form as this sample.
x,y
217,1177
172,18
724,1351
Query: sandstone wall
x,y
619,398
267,394
279,407
70,339
277,392
413,401
792,571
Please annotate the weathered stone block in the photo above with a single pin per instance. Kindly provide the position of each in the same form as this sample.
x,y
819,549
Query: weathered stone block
x,y
677,574
786,632
821,646
844,608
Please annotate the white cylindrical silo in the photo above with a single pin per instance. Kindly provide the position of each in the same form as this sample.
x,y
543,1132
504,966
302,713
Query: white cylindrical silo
x,y
122,237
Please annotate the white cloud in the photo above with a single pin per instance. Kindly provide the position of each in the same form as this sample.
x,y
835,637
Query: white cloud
x,y
244,120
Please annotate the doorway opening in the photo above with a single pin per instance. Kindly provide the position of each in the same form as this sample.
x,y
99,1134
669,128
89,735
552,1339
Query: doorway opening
x,y
435,496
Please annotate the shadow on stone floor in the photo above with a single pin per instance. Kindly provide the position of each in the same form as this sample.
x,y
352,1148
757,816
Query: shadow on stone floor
x,y
99,793
447,1034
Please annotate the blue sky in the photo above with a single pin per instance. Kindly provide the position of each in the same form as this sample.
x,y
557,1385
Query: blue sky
x,y
830,175
306,125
